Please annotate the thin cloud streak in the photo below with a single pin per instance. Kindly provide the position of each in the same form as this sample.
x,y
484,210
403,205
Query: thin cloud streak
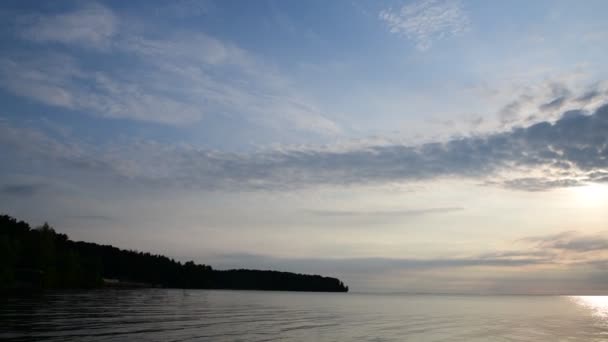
x,y
385,213
369,265
571,241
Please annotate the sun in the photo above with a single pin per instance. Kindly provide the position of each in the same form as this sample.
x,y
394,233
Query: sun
x,y
591,195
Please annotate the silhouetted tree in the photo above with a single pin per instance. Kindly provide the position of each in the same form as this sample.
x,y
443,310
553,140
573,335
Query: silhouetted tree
x,y
44,258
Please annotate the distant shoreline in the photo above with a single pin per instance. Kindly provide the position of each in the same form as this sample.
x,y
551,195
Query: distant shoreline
x,y
40,258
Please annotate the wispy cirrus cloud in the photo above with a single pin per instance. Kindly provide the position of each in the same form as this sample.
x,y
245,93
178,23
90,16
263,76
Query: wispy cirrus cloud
x,y
427,21
91,25
174,77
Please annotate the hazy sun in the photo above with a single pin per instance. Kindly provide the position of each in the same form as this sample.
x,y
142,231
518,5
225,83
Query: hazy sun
x,y
591,195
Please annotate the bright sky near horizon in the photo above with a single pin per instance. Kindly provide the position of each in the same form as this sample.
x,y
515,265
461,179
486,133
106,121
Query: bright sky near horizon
x,y
416,146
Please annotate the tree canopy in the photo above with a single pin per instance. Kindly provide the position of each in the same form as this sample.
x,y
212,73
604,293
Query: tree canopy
x,y
41,258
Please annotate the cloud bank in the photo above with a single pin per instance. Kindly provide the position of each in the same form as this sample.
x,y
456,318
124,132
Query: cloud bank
x,y
569,152
565,263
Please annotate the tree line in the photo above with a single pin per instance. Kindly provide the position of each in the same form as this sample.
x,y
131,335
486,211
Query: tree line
x,y
41,258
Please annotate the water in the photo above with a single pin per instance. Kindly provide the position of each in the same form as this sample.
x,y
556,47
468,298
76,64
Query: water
x,y
199,315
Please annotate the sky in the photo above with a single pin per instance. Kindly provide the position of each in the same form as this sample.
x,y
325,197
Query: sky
x,y
436,146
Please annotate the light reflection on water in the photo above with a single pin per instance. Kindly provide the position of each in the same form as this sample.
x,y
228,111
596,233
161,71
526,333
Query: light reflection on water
x,y
198,315
597,305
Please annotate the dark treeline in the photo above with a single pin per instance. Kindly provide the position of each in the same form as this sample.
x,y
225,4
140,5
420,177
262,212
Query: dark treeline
x,y
43,258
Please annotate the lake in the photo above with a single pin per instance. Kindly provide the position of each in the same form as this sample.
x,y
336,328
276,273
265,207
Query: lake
x,y
208,315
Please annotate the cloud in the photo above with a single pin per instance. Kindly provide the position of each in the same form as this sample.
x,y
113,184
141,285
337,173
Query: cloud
x,y
598,176
91,217
564,249
589,96
426,21
547,100
509,113
560,95
21,189
571,241
91,25
567,262
43,81
59,80
174,76
367,265
554,104
569,152
186,8
36,145
380,214
541,183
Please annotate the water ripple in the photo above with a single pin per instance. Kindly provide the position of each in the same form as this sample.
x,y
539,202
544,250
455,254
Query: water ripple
x,y
196,315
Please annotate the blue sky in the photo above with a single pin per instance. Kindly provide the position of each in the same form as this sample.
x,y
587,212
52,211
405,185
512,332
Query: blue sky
x,y
416,139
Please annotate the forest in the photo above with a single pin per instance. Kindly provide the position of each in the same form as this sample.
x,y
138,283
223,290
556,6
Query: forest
x,y
41,258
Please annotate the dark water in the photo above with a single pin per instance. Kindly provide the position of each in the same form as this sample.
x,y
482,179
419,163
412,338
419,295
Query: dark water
x,y
196,315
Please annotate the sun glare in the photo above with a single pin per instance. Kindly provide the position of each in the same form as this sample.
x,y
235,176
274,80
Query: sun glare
x,y
598,305
591,195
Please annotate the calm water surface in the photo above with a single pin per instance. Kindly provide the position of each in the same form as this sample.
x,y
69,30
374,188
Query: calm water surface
x,y
198,315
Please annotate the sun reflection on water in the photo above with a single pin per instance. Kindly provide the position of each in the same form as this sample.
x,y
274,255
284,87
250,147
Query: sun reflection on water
x,y
598,305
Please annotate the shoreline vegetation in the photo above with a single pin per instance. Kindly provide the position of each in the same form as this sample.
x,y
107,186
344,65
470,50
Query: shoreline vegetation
x,y
40,258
